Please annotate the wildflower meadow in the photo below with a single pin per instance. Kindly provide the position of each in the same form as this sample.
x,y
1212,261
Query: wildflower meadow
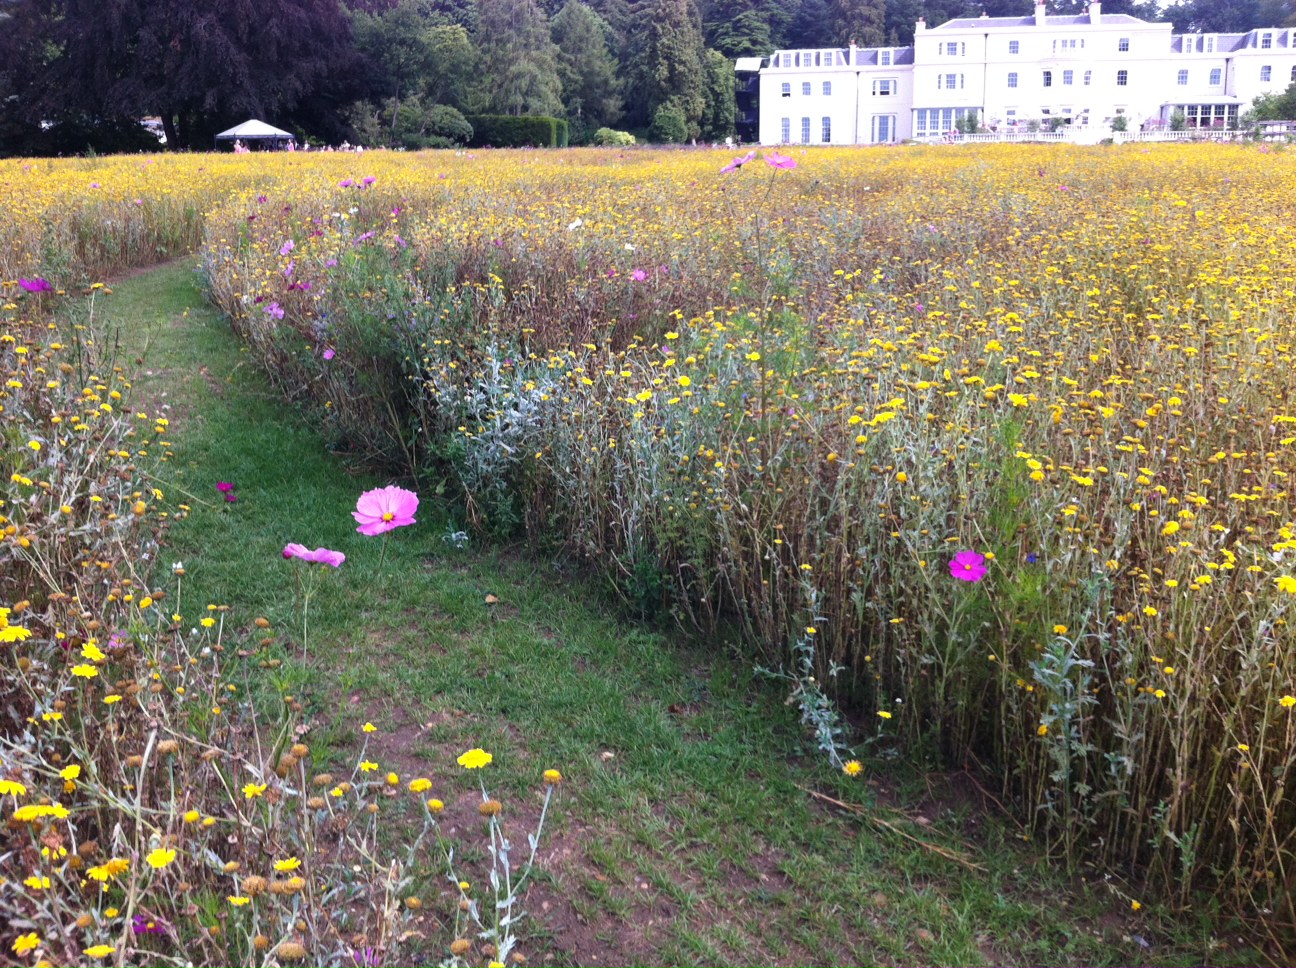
x,y
983,453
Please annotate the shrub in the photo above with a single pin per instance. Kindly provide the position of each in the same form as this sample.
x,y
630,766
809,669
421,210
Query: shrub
x,y
443,121
669,125
612,138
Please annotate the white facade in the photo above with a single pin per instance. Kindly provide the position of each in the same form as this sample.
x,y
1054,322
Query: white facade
x,y
1015,73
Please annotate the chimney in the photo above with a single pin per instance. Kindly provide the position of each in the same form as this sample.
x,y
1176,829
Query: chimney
x,y
1095,12
1039,13
984,15
920,26
853,49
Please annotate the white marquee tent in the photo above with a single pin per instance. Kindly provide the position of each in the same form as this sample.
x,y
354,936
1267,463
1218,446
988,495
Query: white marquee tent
x,y
257,131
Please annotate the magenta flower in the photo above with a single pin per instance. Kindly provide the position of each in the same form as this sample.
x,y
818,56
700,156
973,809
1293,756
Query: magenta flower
x,y
775,160
320,556
329,353
737,163
638,275
369,180
274,310
385,509
226,488
36,285
345,183
287,247
142,924
968,566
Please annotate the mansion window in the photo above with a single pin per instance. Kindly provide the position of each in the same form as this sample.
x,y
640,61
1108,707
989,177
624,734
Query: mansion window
x,y
955,48
1122,44
805,87
1266,41
1266,73
1183,78
1048,78
949,82
1122,78
1012,78
1014,46
1216,75
787,89
1068,78
827,88
884,88
1088,78
1209,115
805,131
827,131
785,130
884,58
936,121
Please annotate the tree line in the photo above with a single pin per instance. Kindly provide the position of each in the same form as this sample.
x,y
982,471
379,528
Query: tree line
x,y
79,74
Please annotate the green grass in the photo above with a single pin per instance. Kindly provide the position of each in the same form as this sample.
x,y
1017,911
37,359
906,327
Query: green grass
x,y
681,834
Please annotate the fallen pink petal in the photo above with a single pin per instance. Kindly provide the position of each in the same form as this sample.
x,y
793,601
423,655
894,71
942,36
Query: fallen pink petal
x,y
385,509
320,556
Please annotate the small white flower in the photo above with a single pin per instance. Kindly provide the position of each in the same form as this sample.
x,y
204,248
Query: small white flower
x,y
177,566
572,227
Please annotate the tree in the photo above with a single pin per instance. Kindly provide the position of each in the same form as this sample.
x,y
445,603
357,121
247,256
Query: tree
x,y
717,121
668,65
586,68
396,45
519,63
743,28
856,21
1274,107
198,64
453,58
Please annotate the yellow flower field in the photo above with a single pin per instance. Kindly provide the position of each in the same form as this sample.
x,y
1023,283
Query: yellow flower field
x,y
788,398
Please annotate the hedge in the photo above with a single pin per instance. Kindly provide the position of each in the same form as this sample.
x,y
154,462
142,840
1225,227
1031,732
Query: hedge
x,y
510,131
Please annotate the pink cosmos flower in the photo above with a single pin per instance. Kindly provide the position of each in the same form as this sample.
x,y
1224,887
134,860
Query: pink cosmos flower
x,y
329,353
36,285
737,163
287,247
275,310
638,275
345,183
968,566
775,160
369,180
385,509
320,556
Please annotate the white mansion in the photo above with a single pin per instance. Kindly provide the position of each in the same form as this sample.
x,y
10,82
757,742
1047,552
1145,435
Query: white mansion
x,y
1019,73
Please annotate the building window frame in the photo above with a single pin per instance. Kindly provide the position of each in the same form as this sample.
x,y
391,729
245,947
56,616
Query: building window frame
x,y
826,130
1122,78
1048,78
1123,45
1266,72
1012,78
1014,46
1217,76
805,130
827,88
1182,77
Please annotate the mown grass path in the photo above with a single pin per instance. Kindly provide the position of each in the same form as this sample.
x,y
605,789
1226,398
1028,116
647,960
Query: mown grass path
x,y
682,834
